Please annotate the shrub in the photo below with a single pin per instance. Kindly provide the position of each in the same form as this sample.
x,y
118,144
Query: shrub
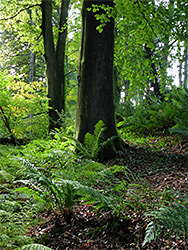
x,y
24,106
155,115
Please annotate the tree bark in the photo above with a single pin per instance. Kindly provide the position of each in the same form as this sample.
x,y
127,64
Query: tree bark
x,y
185,82
95,79
55,59
154,82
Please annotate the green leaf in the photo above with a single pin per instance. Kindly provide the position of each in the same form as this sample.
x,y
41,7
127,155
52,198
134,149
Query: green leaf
x,y
35,247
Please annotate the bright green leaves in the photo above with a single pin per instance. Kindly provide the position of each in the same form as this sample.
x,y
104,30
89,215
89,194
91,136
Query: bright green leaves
x,y
19,101
106,12
93,141
147,23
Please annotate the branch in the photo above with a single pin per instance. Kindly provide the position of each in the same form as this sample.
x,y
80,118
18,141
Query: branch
x,y
145,18
162,18
15,15
72,71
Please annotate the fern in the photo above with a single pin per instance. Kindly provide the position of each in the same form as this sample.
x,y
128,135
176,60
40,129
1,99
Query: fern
x,y
29,192
148,117
93,141
35,247
5,176
12,230
173,217
60,192
153,231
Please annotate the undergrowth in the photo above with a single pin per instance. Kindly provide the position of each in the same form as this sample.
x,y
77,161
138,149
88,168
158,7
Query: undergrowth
x,y
152,115
49,175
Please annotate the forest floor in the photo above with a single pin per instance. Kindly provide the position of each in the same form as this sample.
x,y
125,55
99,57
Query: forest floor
x,y
160,166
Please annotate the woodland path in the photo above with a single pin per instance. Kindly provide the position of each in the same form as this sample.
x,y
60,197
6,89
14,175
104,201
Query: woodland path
x,y
162,167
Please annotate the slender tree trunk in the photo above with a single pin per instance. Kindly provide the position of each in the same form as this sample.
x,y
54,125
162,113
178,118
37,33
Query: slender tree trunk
x,y
55,59
7,124
32,57
185,82
154,82
95,80
180,72
32,66
60,47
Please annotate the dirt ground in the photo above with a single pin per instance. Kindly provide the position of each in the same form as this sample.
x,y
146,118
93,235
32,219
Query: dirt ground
x,y
161,168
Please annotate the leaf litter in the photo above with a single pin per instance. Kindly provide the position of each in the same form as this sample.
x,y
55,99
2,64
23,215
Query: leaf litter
x,y
161,166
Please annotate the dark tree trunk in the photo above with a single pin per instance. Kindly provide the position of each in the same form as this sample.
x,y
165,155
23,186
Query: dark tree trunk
x,y
180,67
154,82
95,80
55,59
32,54
185,82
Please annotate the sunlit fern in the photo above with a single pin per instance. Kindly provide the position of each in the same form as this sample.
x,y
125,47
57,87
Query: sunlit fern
x,y
35,247
93,141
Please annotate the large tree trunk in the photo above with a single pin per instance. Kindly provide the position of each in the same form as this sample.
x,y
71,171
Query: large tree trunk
x,y
95,80
185,83
54,59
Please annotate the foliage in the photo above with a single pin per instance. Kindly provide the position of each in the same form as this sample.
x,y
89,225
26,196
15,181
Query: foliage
x,y
152,25
155,115
58,192
18,211
104,16
92,141
51,176
17,214
171,218
35,247
12,228
25,107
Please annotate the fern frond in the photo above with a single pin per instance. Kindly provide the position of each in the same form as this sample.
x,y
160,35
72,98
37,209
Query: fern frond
x,y
90,194
153,231
81,148
92,142
29,192
4,215
5,177
35,247
99,129
88,140
173,217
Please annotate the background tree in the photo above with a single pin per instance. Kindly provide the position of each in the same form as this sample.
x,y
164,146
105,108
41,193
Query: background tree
x,y
151,25
54,30
55,58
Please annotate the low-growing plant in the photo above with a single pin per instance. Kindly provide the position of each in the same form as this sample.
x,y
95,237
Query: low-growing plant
x,y
13,226
61,193
154,115
171,218
35,247
93,141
